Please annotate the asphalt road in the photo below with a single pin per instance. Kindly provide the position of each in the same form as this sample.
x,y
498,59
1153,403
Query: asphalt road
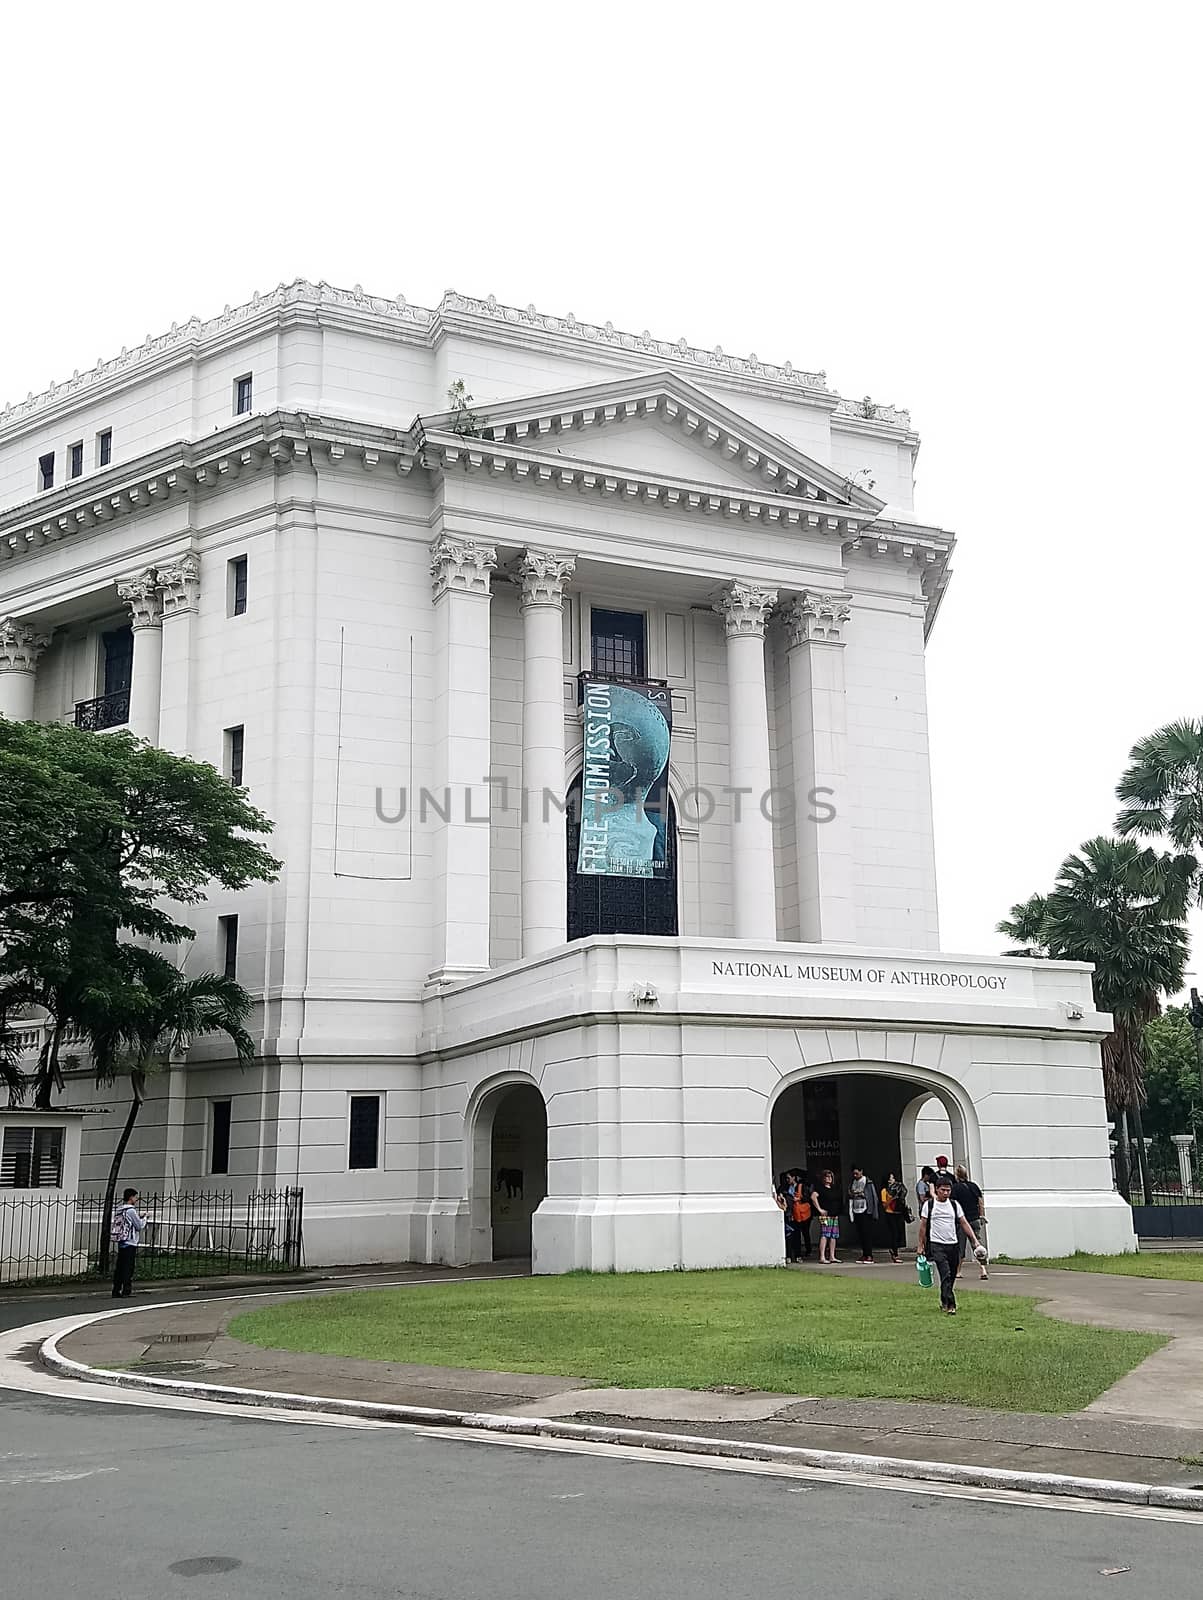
x,y
123,1503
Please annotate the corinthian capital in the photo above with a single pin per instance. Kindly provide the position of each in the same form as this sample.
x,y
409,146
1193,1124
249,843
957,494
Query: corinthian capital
x,y
461,565
20,645
817,616
543,574
745,607
141,594
180,584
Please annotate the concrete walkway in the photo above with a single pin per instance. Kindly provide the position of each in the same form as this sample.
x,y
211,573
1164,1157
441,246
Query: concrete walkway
x,y
1148,1428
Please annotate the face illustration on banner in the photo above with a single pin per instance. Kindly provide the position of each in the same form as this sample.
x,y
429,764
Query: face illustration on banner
x,y
624,791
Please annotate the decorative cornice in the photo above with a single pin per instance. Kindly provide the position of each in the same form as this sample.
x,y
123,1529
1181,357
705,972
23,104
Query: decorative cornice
x,y
816,617
142,594
868,410
543,574
179,583
20,645
318,301
461,566
744,607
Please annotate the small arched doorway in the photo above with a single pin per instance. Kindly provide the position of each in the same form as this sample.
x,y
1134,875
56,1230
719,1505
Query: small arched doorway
x,y
509,1170
598,903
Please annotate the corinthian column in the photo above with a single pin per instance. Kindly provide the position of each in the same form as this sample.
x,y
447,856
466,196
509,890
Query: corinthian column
x,y
141,594
20,646
744,608
826,905
544,887
460,570
179,585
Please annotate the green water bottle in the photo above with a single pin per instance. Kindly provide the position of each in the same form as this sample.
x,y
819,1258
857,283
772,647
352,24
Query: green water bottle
x,y
923,1267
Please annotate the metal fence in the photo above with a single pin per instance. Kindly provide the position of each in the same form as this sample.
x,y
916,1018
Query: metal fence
x,y
188,1234
1175,1176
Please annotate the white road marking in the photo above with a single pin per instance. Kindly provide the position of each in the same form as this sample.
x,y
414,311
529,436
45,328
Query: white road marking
x,y
52,1477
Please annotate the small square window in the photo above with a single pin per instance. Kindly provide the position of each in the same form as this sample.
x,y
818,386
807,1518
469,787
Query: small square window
x,y
242,395
32,1158
46,471
363,1140
236,587
227,933
235,743
104,447
618,640
219,1136
77,460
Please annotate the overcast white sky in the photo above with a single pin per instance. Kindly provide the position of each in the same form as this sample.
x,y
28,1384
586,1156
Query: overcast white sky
x,y
987,214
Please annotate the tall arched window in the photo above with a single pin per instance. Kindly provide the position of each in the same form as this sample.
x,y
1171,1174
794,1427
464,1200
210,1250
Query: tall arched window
x,y
598,904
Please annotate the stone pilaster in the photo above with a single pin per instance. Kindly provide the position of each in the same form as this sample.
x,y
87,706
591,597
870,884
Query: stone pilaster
x,y
179,586
460,570
744,608
816,622
543,575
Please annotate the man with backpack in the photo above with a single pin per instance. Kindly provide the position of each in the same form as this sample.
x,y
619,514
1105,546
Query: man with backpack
x,y
941,1224
126,1235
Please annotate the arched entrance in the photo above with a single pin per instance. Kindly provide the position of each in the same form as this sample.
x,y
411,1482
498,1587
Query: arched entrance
x,y
509,1169
862,1115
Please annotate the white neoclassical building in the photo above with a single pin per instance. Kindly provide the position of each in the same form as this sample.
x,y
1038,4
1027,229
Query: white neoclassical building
x,y
417,621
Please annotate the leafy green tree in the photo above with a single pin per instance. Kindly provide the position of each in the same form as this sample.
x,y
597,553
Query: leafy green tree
x,y
1172,1084
154,1014
1162,789
1122,908
105,837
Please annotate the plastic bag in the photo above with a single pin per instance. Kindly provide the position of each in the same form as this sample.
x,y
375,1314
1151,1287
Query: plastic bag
x,y
923,1267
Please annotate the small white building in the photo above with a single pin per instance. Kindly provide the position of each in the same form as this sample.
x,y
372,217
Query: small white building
x,y
42,1232
412,623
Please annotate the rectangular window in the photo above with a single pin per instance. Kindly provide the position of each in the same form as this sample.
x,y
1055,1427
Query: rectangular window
x,y
227,930
118,648
77,459
219,1138
104,447
236,587
619,643
242,395
363,1143
235,742
32,1158
46,471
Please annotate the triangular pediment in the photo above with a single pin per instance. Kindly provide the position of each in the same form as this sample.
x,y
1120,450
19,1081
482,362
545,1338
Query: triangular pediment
x,y
660,427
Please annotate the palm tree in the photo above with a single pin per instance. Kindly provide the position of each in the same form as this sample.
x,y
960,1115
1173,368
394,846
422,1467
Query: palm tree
x,y
1162,789
158,1015
1122,908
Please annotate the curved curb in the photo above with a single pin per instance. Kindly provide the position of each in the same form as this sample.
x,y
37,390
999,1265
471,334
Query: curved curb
x,y
1102,1489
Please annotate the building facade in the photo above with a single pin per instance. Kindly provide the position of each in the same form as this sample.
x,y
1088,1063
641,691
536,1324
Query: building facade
x,y
583,677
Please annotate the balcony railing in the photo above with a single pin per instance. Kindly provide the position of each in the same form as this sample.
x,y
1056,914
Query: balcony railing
x,y
106,711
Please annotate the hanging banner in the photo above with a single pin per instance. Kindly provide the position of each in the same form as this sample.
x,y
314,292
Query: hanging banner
x,y
624,787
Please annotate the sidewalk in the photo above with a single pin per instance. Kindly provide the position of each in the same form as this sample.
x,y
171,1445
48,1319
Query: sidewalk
x,y
1140,1431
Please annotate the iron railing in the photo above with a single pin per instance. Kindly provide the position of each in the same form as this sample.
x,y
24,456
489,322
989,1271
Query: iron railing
x,y
106,711
188,1234
1174,1171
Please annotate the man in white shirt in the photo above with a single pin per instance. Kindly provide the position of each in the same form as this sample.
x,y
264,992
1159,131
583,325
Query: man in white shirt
x,y
941,1223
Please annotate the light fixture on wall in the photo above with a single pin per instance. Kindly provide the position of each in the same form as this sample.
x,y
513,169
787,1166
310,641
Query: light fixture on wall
x,y
644,994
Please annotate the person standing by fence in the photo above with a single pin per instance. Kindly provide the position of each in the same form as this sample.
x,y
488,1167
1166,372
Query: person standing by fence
x,y
126,1234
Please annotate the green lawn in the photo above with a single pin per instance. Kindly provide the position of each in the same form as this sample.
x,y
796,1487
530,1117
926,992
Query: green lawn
x,y
1184,1265
793,1332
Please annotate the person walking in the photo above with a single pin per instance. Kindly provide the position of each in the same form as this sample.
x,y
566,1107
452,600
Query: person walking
x,y
894,1209
862,1212
126,1234
925,1186
826,1200
941,1224
972,1202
